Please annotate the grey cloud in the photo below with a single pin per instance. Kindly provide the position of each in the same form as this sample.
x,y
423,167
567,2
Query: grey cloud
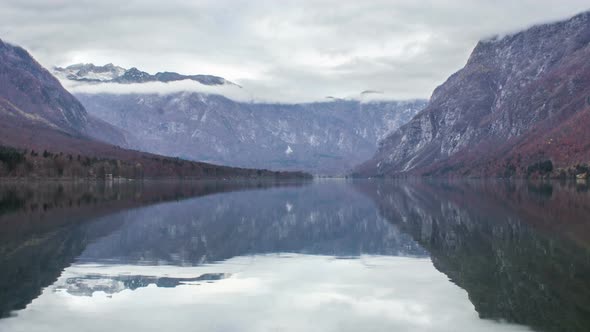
x,y
304,49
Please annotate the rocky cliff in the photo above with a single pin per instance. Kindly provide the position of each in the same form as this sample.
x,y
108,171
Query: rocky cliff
x,y
521,99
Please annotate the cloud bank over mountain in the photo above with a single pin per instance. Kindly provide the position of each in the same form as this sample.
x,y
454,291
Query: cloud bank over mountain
x,y
288,50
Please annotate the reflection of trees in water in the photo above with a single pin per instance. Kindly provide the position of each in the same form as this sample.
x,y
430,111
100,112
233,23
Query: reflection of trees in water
x,y
520,250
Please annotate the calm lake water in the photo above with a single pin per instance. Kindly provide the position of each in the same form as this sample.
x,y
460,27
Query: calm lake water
x,y
328,255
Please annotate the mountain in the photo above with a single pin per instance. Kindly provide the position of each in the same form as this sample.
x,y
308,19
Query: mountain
x,y
325,138
37,113
109,73
519,107
31,97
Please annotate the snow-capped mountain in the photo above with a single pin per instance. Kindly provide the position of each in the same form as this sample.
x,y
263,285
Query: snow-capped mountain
x,y
110,73
90,73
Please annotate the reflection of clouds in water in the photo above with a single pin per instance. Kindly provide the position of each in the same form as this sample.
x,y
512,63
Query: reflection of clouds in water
x,y
268,292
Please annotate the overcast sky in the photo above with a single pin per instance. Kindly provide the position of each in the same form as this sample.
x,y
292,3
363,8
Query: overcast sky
x,y
294,50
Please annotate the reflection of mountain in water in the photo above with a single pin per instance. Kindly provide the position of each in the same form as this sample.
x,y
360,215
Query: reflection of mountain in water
x,y
516,248
520,250
44,226
87,285
328,219
49,228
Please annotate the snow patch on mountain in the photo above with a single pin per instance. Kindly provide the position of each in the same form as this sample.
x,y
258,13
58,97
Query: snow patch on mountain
x,y
89,72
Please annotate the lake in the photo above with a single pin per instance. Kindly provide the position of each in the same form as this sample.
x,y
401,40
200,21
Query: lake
x,y
325,255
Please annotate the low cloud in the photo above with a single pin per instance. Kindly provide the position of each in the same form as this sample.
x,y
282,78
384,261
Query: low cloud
x,y
233,92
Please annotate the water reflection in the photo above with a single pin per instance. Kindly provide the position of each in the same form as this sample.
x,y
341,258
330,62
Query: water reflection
x,y
520,249
328,219
45,226
341,256
267,293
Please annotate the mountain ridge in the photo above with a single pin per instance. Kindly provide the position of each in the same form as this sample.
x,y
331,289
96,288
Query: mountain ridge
x,y
504,112
109,73
31,95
